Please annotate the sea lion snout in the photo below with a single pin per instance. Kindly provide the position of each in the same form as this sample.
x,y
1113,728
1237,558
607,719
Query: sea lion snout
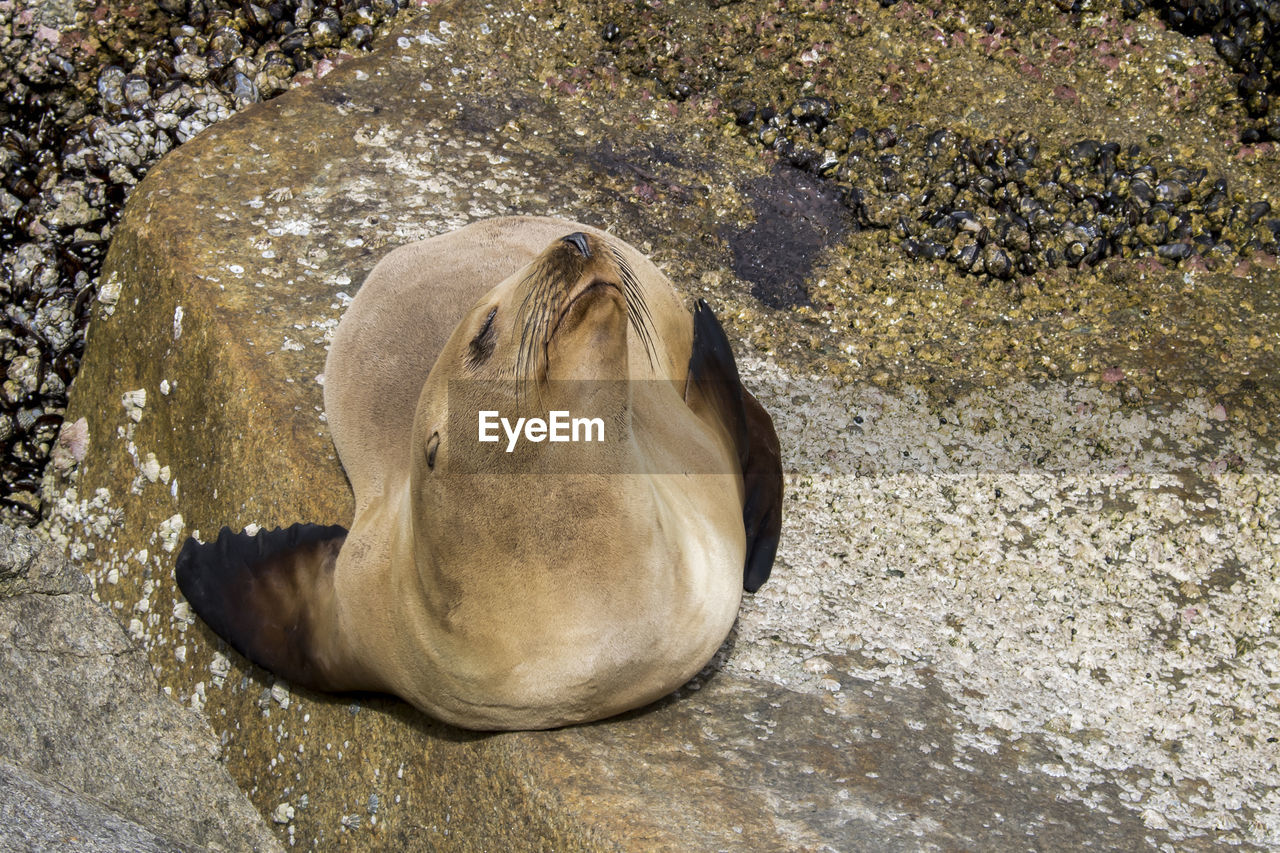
x,y
578,240
577,282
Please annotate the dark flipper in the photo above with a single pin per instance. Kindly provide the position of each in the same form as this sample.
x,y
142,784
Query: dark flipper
x,y
269,595
762,510
714,374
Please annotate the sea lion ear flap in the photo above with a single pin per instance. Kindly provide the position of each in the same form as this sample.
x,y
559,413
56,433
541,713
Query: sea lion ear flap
x,y
713,382
269,595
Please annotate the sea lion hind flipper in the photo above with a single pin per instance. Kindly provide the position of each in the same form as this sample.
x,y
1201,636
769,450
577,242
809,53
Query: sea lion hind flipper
x,y
270,595
713,377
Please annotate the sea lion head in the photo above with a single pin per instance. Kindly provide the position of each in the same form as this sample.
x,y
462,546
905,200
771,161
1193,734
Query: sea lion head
x,y
574,312
585,318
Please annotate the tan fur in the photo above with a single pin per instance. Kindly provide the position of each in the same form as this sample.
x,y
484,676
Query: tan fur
x,y
501,601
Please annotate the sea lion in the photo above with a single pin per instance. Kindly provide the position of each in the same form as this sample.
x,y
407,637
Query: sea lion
x,y
504,599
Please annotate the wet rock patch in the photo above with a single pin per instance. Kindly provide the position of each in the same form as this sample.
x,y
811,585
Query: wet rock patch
x,y
796,218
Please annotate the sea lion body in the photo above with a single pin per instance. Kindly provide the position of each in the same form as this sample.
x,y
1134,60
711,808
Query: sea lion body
x,y
498,597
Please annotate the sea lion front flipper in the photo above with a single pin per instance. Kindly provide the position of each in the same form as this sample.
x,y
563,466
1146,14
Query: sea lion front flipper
x,y
713,376
270,596
762,479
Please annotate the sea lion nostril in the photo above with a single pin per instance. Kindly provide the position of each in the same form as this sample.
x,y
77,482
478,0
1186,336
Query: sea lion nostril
x,y
578,240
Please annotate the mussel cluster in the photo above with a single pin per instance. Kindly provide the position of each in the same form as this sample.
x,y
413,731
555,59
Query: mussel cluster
x,y
1246,34
1005,207
78,129
250,50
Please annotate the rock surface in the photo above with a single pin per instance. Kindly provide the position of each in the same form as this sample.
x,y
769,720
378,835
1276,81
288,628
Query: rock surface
x,y
39,815
1003,614
92,755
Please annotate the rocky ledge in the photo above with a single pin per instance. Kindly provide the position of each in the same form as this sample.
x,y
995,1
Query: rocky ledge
x,y
93,756
1011,606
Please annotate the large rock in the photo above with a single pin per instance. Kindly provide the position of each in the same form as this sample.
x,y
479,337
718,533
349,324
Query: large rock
x,y
40,815
912,677
92,755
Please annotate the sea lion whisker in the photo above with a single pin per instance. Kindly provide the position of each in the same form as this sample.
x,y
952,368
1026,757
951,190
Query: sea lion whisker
x,y
538,299
532,310
525,318
637,310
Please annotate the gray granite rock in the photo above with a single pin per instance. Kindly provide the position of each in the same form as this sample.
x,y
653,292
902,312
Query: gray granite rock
x,y
90,748
37,815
